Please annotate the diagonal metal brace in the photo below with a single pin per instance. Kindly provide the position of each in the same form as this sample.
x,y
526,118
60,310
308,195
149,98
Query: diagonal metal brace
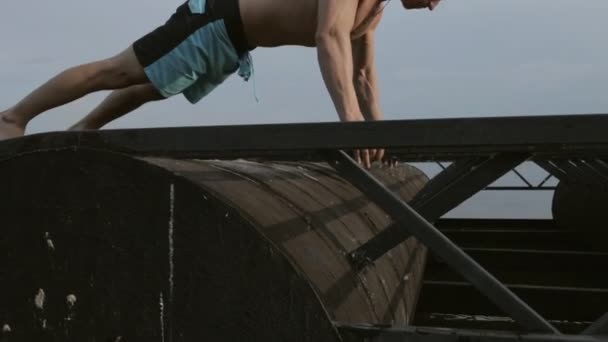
x,y
439,244
599,327
552,169
437,199
455,171
444,192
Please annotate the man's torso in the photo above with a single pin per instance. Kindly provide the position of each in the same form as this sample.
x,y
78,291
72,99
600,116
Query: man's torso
x,y
270,23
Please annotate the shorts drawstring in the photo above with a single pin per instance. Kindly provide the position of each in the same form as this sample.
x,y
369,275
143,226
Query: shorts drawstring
x,y
246,71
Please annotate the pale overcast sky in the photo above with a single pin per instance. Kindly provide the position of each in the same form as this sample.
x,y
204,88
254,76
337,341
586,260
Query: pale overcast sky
x,y
466,58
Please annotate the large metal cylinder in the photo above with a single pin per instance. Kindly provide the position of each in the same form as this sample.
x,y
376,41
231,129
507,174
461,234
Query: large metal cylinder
x,y
583,207
97,245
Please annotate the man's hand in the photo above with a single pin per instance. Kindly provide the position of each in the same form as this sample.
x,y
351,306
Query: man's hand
x,y
368,156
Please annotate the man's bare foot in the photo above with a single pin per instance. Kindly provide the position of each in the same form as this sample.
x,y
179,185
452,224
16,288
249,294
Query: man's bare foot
x,y
76,127
81,126
10,128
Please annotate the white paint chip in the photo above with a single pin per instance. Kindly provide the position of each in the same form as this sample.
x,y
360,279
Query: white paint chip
x,y
162,317
49,243
39,299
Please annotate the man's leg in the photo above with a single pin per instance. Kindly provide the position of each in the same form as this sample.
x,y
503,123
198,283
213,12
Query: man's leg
x,y
117,72
117,104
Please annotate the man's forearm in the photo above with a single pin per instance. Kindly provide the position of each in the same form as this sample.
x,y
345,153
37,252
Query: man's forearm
x,y
367,95
335,61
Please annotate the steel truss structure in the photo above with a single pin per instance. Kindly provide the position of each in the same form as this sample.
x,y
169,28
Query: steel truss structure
x,y
481,150
527,183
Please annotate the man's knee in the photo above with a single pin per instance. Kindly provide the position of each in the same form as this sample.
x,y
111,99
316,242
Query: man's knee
x,y
120,71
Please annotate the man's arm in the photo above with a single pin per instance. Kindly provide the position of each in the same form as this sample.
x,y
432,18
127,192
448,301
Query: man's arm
x,y
365,80
334,24
364,77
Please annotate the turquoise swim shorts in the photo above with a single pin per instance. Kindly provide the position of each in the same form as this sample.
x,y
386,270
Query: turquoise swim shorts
x,y
200,46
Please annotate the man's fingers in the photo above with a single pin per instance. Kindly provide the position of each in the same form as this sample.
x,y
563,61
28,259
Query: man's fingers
x,y
379,155
366,159
372,154
391,161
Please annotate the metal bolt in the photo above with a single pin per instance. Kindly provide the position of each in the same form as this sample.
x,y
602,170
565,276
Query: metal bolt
x,y
71,300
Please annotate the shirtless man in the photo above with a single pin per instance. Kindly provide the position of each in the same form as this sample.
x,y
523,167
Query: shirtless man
x,y
207,40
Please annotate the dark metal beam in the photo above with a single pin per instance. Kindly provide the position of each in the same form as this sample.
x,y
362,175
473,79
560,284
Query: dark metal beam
x,y
599,327
528,259
573,172
457,188
594,172
522,178
484,224
409,139
446,191
458,169
570,304
520,188
377,246
550,167
371,333
592,176
540,185
393,235
512,238
599,166
438,243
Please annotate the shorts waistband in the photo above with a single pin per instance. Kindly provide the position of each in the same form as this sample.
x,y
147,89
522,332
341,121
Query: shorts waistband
x,y
229,10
